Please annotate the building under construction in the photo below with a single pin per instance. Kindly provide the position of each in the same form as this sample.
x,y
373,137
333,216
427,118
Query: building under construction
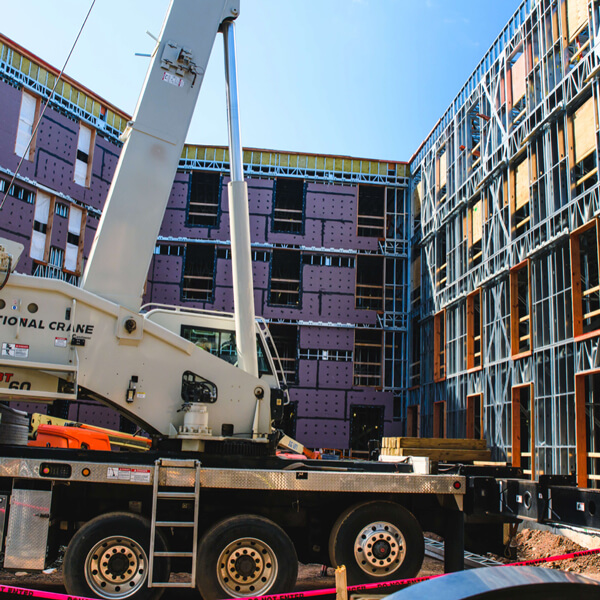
x,y
454,295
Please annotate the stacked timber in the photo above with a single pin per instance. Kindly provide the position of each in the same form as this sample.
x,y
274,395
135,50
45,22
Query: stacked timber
x,y
436,449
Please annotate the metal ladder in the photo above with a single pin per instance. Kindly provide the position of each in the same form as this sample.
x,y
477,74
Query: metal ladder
x,y
161,497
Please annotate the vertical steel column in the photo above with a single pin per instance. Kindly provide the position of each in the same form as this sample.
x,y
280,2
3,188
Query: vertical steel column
x,y
241,257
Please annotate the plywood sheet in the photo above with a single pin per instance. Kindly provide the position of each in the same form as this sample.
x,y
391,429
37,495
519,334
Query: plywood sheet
x,y
442,168
518,79
577,16
416,272
584,129
477,222
521,184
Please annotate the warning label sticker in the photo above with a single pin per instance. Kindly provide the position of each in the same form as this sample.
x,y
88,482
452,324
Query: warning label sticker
x,y
60,342
140,475
127,474
173,79
16,350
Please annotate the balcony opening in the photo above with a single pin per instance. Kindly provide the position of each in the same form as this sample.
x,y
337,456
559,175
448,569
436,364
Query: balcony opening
x,y
205,199
288,205
371,207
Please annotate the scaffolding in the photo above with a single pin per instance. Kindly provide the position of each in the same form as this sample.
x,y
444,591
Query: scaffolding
x,y
505,241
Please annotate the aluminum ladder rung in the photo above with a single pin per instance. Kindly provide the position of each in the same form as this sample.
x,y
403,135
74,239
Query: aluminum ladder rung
x,y
163,497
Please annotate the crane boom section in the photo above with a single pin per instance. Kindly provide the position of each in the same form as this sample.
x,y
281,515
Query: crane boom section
x,y
137,199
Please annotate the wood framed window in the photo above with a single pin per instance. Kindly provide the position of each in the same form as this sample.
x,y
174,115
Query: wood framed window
x,y
439,419
284,285
521,209
523,430
85,155
369,282
585,243
582,147
198,272
368,357
204,199
520,310
413,428
288,205
24,144
474,425
371,211
414,377
587,428
474,329
439,346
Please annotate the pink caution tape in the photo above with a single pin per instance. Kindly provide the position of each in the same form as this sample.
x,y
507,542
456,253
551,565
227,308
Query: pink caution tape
x,y
17,591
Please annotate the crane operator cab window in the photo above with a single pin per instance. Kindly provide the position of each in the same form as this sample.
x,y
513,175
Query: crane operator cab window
x,y
221,343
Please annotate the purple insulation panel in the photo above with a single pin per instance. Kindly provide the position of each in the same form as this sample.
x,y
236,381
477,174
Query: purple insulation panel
x,y
165,269
260,196
319,433
335,374
96,414
372,398
307,373
314,404
326,338
339,280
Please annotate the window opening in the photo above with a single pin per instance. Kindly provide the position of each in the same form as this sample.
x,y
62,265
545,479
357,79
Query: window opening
x,y
475,417
522,429
412,420
584,173
83,161
205,199
520,309
367,357
371,207
474,327
439,419
366,424
586,280
288,205
285,339
369,282
29,107
439,346
198,272
284,287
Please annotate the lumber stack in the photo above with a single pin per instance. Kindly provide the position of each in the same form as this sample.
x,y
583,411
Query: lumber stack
x,y
436,449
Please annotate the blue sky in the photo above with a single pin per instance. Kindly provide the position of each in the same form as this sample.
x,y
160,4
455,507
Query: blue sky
x,y
364,78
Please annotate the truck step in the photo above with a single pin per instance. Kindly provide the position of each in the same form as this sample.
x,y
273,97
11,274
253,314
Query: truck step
x,y
175,554
173,584
175,495
174,523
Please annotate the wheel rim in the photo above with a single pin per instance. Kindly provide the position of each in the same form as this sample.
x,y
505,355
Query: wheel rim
x,y
116,567
247,567
379,548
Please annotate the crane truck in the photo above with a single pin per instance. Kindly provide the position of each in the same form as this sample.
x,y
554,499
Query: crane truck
x,y
210,499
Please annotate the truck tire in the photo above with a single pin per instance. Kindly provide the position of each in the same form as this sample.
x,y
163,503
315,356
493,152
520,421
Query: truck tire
x,y
377,541
96,562
245,555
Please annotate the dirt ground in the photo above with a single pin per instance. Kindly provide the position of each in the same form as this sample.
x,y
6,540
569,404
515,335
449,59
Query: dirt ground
x,y
530,544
